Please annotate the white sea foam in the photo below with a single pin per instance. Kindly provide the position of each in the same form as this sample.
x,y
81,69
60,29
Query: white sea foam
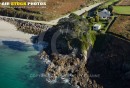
x,y
77,86
65,79
46,60
51,79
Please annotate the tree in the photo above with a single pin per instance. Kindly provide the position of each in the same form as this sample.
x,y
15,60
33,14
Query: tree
x,y
73,15
91,20
85,14
110,8
96,12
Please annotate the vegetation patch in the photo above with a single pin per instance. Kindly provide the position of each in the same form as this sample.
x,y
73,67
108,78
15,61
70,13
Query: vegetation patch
x,y
109,2
121,27
122,9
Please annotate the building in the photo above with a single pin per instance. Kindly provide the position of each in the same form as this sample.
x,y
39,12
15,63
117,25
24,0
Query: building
x,y
104,14
96,27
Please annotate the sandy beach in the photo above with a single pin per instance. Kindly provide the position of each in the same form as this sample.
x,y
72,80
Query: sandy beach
x,y
9,32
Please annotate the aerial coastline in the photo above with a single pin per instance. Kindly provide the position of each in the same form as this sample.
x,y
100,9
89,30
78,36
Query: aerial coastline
x,y
88,50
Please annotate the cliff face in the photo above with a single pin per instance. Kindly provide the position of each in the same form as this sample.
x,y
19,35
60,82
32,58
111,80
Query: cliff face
x,y
68,44
107,67
111,60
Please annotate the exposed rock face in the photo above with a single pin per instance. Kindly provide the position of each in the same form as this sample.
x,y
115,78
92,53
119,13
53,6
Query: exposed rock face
x,y
71,68
108,67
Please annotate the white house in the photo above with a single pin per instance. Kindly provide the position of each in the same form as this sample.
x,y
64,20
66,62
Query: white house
x,y
104,14
96,27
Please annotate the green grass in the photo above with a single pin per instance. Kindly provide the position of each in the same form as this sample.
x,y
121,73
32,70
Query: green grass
x,y
122,9
109,3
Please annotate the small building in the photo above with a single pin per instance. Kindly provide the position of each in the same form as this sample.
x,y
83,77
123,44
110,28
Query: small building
x,y
104,14
96,27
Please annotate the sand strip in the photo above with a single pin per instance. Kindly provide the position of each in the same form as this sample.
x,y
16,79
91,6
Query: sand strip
x,y
9,32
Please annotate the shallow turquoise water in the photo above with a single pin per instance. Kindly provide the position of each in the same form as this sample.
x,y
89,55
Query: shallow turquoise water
x,y
12,62
19,67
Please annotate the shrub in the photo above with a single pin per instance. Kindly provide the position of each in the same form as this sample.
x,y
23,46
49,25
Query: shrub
x,y
73,15
97,18
91,20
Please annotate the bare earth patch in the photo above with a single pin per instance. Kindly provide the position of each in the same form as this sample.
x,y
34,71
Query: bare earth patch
x,y
121,27
124,2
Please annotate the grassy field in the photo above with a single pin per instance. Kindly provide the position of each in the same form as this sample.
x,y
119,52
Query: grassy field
x,y
122,9
121,27
109,3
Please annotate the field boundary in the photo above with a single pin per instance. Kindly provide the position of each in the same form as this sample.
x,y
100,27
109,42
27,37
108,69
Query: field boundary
x,y
118,4
111,24
121,14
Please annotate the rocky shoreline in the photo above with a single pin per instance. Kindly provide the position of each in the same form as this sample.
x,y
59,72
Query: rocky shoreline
x,y
67,67
27,27
110,69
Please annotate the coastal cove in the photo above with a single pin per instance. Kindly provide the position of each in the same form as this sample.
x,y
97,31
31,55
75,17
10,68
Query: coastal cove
x,y
19,68
19,64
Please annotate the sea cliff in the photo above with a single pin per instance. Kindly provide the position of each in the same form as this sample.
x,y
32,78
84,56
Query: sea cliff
x,y
69,44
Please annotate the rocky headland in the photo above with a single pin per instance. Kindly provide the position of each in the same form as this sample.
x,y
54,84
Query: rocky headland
x,y
67,52
77,56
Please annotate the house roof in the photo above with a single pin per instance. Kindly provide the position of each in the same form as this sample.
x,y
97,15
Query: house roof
x,y
96,25
104,10
104,13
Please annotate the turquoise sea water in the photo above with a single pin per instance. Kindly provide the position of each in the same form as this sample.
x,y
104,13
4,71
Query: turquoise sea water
x,y
13,58
19,67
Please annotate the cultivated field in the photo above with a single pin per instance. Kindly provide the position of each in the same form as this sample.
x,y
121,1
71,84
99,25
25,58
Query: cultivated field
x,y
122,9
57,8
121,27
124,2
